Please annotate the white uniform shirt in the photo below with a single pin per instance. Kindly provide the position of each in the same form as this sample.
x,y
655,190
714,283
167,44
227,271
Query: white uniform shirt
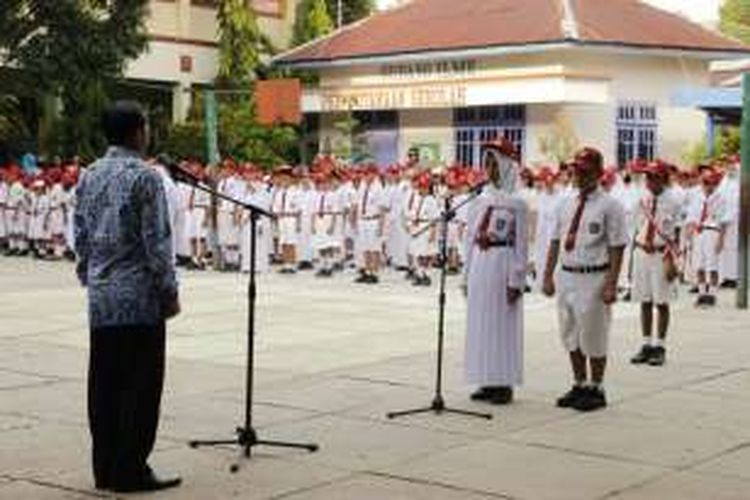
x,y
287,202
602,227
667,217
371,200
716,211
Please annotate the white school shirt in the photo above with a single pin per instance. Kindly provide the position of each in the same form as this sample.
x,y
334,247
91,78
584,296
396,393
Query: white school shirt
x,y
602,227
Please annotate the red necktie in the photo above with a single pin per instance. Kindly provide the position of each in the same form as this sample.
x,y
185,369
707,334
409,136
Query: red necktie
x,y
570,239
283,203
483,239
364,200
704,216
322,206
419,210
651,229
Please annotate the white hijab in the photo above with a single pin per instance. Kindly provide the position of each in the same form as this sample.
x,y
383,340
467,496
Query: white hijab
x,y
507,181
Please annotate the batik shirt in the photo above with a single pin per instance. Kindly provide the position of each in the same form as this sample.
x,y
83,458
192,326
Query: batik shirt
x,y
123,241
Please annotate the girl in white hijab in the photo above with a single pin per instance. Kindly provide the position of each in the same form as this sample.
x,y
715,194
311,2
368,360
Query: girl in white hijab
x,y
496,263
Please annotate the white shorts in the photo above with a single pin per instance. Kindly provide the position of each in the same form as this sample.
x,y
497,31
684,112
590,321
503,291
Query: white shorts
x,y
704,252
288,234
649,281
228,232
583,317
196,225
368,239
421,246
321,239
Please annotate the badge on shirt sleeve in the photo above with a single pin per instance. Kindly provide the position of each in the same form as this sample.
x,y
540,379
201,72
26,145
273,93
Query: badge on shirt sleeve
x,y
595,228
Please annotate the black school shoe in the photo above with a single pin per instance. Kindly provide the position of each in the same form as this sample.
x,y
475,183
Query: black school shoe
x,y
593,399
568,399
502,396
658,356
643,356
482,394
147,481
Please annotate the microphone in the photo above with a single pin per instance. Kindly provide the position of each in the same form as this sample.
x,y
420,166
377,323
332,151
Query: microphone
x,y
177,171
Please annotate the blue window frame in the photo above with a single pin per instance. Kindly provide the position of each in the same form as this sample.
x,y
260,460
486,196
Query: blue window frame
x,y
637,132
476,125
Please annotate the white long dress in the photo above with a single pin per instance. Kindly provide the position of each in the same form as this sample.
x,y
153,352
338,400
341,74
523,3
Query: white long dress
x,y
494,334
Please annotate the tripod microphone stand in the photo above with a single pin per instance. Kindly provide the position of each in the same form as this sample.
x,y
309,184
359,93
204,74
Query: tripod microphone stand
x,y
246,436
438,402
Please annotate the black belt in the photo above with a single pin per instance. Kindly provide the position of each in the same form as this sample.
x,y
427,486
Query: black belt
x,y
371,217
652,249
500,244
709,228
586,269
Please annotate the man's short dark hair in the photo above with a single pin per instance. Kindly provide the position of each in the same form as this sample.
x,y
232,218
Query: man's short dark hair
x,y
121,120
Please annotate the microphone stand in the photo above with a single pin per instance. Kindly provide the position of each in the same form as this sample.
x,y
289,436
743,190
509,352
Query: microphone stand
x,y
246,437
438,402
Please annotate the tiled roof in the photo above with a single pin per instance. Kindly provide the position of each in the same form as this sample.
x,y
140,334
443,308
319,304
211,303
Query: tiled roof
x,y
425,26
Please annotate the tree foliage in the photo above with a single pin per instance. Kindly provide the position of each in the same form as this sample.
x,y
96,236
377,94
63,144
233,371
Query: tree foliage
x,y
242,44
72,49
735,19
352,10
312,21
242,53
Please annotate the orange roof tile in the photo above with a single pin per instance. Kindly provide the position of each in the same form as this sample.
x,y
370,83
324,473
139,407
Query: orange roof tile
x,y
425,26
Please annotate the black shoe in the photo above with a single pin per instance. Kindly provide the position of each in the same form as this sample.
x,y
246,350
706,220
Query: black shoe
x,y
502,396
693,290
362,278
410,274
592,399
643,356
146,482
305,266
372,279
571,397
658,356
426,281
627,297
731,284
710,300
701,300
482,394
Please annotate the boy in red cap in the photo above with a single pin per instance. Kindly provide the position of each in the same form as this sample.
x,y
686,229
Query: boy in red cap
x,y
287,208
589,241
657,220
709,221
369,220
422,245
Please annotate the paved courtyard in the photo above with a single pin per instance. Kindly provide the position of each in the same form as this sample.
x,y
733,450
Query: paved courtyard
x,y
333,357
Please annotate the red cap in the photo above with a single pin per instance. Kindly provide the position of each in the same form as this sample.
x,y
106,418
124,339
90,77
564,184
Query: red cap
x,y
504,146
545,175
658,168
587,158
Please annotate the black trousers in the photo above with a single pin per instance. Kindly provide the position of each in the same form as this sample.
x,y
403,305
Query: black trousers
x,y
126,377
